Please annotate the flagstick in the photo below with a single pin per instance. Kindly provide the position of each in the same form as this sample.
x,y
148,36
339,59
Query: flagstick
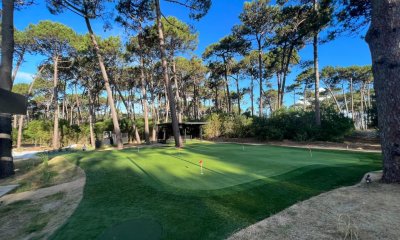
x,y
309,148
201,167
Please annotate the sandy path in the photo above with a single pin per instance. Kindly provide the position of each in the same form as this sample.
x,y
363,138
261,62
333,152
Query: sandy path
x,y
44,192
56,204
363,211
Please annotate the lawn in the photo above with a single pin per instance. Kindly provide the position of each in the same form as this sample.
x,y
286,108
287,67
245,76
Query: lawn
x,y
159,192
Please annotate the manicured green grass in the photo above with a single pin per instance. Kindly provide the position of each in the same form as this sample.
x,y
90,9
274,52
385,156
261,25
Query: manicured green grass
x,y
240,186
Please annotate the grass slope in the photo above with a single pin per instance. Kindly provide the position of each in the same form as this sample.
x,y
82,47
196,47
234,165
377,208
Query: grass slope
x,y
239,186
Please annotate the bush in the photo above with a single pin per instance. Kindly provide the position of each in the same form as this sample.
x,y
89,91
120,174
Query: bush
x,y
214,126
299,125
232,126
39,131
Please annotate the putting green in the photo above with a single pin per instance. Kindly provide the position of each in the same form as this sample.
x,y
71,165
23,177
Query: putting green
x,y
240,186
138,229
226,165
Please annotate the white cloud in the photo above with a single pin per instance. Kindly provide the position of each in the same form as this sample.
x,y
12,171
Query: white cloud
x,y
24,77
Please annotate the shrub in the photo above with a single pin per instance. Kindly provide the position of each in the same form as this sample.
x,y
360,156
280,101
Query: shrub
x,y
299,125
213,128
225,125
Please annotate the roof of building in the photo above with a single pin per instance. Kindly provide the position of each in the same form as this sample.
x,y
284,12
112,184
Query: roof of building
x,y
184,123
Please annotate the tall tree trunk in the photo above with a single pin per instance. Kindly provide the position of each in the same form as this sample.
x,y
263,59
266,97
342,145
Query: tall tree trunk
x,y
252,96
166,104
305,96
178,99
154,113
55,102
21,118
91,120
14,122
362,106
279,83
216,98
20,125
127,108
383,38
155,121
144,96
195,102
345,100
260,107
7,49
228,94
110,98
316,72
352,99
238,93
286,70
18,65
78,106
333,96
369,96
175,123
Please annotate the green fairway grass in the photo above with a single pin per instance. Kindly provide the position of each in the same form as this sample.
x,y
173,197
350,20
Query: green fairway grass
x,y
241,185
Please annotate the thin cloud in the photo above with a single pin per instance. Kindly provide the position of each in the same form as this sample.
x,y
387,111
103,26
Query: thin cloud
x,y
24,77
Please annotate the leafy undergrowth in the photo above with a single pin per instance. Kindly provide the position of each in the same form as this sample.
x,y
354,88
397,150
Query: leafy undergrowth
x,y
118,190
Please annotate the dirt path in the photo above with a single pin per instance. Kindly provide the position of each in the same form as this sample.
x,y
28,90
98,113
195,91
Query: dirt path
x,y
44,192
36,214
363,211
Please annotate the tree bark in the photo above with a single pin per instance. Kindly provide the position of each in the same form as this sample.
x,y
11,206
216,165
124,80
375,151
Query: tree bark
x,y
279,83
17,65
362,107
21,118
144,97
352,99
7,49
345,100
383,38
252,96
91,120
316,72
178,99
228,95
110,98
333,96
305,96
175,123
78,106
260,114
286,70
216,98
55,102
238,93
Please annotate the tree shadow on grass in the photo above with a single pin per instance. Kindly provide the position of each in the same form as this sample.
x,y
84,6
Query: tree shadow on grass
x,y
117,192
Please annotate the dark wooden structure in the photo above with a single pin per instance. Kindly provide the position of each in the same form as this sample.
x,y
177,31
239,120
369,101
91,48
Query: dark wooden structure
x,y
187,129
12,103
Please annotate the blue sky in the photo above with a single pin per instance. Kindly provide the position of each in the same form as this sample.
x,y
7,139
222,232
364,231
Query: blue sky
x,y
218,23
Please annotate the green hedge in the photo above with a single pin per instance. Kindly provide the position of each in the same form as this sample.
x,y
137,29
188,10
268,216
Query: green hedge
x,y
290,124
